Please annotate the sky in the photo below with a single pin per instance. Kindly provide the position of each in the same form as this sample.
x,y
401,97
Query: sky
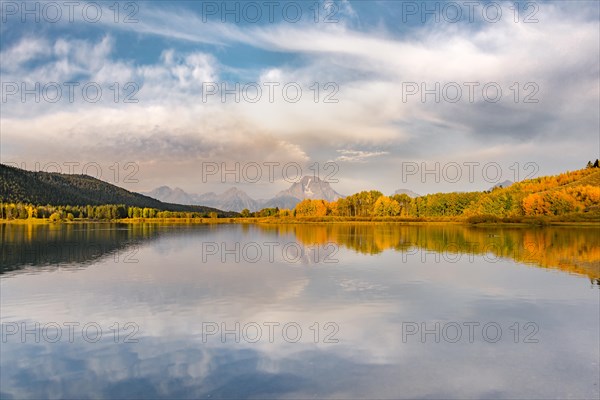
x,y
429,96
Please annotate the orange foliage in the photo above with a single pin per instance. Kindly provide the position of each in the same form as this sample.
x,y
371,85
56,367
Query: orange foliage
x,y
561,201
311,208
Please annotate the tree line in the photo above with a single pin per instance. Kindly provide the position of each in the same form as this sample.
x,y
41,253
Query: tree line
x,y
570,192
89,212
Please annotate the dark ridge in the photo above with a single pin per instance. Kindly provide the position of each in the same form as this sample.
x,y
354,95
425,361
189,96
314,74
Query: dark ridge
x,y
41,188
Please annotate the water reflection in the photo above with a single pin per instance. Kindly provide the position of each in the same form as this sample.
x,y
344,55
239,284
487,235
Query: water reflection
x,y
385,277
572,250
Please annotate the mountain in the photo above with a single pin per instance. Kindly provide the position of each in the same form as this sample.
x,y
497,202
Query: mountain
x,y
235,199
41,188
281,202
168,195
309,187
407,192
504,184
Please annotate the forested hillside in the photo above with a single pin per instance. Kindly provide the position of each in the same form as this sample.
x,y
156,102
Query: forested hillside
x,y
567,193
26,194
44,188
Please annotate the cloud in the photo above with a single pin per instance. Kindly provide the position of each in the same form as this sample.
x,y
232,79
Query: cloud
x,y
358,155
26,49
364,69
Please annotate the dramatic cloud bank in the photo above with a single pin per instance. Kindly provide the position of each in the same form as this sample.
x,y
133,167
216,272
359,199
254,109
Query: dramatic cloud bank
x,y
376,94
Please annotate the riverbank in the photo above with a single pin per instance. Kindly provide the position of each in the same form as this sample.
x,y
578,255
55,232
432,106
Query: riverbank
x,y
578,219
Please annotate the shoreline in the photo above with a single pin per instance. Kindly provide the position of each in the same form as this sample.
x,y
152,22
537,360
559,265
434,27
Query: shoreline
x,y
528,222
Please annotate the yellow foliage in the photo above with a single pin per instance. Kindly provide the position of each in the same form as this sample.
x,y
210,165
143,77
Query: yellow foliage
x,y
386,207
311,208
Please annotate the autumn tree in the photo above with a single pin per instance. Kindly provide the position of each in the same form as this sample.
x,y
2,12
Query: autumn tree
x,y
311,208
404,202
386,207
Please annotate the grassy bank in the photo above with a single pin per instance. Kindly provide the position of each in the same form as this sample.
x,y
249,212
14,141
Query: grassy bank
x,y
207,221
568,219
578,219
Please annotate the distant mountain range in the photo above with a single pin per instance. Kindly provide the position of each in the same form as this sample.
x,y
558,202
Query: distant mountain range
x,y
412,194
234,199
21,186
504,184
407,192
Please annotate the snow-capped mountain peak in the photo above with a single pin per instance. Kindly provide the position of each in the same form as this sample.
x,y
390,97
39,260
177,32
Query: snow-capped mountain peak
x,y
234,199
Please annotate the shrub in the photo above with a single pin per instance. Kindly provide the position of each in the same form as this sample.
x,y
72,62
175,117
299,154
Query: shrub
x,y
483,219
55,217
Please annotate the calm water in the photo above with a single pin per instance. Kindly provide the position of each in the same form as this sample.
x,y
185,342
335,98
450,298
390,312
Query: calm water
x,y
302,311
